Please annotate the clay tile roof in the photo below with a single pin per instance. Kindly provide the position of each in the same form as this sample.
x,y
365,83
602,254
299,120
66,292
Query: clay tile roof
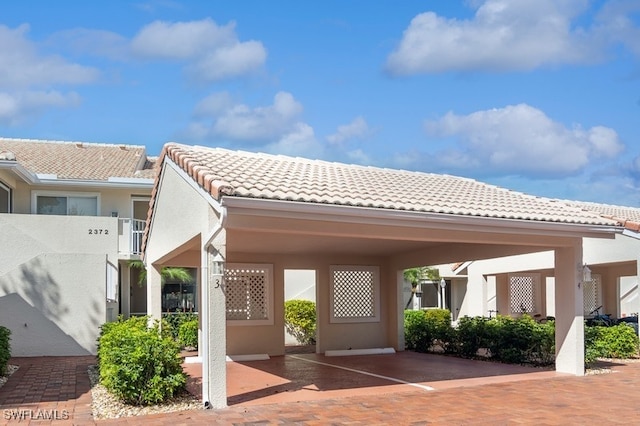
x,y
222,172
79,160
629,217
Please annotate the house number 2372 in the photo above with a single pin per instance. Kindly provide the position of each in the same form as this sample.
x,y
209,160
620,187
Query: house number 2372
x,y
98,231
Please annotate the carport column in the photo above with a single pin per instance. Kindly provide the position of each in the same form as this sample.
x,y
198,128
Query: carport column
x,y
569,310
154,293
214,323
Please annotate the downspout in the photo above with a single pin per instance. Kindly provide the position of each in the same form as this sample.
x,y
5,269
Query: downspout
x,y
204,313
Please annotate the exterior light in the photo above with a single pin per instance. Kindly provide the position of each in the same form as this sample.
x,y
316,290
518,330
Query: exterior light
x,y
443,283
586,274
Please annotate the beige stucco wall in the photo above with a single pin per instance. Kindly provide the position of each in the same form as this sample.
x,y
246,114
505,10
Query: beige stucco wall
x,y
53,279
330,336
111,200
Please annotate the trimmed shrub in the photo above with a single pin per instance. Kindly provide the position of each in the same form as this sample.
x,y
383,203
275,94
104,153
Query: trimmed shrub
x,y
171,322
439,322
472,334
417,334
5,349
138,364
300,320
188,334
619,341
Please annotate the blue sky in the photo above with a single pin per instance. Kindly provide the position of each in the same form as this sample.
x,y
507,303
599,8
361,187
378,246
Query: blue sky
x,y
539,96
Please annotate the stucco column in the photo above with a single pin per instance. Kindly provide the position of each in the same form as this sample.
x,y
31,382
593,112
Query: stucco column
x,y
569,309
214,326
154,293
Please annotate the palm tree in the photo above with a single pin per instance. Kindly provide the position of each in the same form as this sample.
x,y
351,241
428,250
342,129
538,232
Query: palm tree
x,y
172,273
415,275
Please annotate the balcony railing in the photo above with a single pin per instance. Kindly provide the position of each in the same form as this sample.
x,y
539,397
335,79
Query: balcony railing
x,y
131,234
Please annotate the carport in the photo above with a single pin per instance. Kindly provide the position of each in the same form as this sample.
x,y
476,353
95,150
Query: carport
x,y
244,218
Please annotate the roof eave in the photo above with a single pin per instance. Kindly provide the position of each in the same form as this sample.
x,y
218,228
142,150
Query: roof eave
x,y
331,212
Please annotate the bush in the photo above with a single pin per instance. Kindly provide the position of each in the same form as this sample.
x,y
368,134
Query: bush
x,y
472,334
138,364
300,320
417,334
5,349
188,334
619,341
171,322
425,329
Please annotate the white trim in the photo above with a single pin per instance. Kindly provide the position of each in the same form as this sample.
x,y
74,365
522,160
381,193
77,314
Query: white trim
x,y
378,216
249,357
9,196
36,193
351,352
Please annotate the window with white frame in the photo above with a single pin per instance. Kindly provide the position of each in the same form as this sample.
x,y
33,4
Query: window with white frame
x,y
354,294
249,293
5,198
524,294
71,204
592,294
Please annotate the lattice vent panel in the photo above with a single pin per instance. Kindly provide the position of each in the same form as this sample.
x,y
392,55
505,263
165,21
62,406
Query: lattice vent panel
x,y
592,294
247,293
353,294
522,291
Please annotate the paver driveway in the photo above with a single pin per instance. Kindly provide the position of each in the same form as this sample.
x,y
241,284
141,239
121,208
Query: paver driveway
x,y
487,399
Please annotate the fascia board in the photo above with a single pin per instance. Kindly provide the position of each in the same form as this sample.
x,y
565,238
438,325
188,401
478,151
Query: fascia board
x,y
373,216
20,171
124,184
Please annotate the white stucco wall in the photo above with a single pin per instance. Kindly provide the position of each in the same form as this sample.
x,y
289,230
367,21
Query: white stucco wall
x,y
53,279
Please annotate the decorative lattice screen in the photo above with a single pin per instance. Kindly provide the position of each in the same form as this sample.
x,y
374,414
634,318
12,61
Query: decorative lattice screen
x,y
592,294
354,292
523,294
247,292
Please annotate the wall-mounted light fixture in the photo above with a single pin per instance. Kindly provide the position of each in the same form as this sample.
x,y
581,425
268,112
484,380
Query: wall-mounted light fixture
x,y
586,274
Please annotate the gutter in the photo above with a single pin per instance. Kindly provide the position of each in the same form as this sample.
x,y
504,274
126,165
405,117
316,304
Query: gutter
x,y
52,180
443,221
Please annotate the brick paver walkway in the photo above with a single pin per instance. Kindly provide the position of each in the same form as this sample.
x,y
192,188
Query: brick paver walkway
x,y
565,400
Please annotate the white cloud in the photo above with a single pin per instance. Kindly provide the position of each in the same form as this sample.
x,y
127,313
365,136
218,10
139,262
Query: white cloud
x,y
502,35
20,107
241,122
357,129
212,52
21,65
299,141
522,140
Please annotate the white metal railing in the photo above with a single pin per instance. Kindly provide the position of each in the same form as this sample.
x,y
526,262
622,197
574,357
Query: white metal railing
x,y
137,230
130,236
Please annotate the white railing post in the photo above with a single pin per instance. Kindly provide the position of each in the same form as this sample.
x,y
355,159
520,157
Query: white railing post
x,y
137,231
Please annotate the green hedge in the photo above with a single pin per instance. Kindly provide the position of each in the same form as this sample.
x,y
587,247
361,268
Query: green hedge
x,y
505,339
188,334
137,364
619,341
511,340
300,320
5,349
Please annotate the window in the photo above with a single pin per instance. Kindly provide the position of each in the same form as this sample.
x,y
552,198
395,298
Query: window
x,y
5,198
355,294
180,297
78,204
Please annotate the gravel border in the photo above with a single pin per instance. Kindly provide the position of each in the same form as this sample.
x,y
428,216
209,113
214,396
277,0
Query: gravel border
x,y
10,370
106,406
